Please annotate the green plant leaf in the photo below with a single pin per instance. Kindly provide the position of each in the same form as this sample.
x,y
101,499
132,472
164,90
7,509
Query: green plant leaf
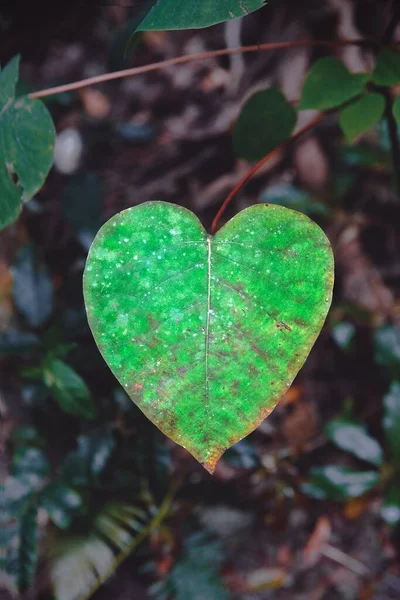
x,y
206,334
361,115
28,547
190,14
26,145
387,349
390,510
30,465
387,70
91,457
32,288
396,109
61,502
354,438
329,84
266,120
391,419
80,564
195,575
68,389
334,482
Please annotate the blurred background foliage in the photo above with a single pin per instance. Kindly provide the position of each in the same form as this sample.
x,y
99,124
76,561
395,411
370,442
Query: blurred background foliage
x,y
95,501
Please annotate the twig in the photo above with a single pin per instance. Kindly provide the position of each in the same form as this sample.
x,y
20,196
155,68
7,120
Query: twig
x,y
394,139
345,560
258,165
191,57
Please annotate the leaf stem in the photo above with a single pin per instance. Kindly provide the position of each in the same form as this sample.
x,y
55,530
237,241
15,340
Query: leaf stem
x,y
192,57
394,139
259,164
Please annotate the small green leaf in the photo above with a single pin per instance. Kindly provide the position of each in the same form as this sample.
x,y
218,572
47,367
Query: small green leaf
x,y
387,70
91,457
68,389
191,14
329,84
206,333
26,145
61,502
28,547
354,438
396,109
266,120
361,115
30,464
387,349
391,419
334,482
32,288
390,510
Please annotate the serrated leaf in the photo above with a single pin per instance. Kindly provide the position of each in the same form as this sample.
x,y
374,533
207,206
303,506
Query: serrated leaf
x,y
68,389
387,70
396,109
387,349
206,334
190,14
339,483
391,419
354,438
26,145
329,84
266,120
32,288
361,115
390,510
61,503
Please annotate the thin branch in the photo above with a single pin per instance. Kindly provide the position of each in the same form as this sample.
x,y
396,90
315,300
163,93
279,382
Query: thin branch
x,y
258,165
192,57
394,139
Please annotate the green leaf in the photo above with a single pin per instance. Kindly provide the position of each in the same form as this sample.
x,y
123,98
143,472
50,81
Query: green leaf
x,y
329,84
361,115
391,419
390,510
30,464
396,109
68,389
91,457
387,70
206,334
61,502
80,564
266,120
32,288
335,482
195,575
26,145
191,14
354,438
387,349
28,547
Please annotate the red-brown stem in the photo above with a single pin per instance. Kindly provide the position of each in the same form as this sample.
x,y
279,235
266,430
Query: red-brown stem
x,y
190,57
258,165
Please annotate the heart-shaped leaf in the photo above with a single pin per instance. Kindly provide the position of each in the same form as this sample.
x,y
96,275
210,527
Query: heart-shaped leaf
x,y
207,333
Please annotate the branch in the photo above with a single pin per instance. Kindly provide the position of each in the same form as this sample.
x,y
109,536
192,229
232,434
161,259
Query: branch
x,y
191,57
258,165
